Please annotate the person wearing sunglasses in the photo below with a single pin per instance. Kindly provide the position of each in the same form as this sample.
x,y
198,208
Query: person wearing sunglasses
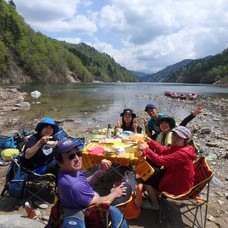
x,y
74,189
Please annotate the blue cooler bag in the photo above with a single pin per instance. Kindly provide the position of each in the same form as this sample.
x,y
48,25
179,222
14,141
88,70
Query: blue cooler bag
x,y
6,142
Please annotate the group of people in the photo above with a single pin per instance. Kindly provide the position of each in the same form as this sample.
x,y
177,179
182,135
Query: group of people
x,y
169,152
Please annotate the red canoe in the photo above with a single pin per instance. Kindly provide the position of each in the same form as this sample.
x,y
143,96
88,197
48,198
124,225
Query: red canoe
x,y
168,94
182,96
192,96
175,95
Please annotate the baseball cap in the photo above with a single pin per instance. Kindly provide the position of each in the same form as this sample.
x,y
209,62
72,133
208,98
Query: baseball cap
x,y
183,132
149,106
66,145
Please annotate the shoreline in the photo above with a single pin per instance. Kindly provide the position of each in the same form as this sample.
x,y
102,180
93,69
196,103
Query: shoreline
x,y
209,130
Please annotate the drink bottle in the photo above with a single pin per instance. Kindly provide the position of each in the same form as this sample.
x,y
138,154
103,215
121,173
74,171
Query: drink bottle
x,y
109,132
30,211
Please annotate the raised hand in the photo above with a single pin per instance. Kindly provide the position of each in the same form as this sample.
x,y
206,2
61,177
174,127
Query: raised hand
x,y
199,109
119,123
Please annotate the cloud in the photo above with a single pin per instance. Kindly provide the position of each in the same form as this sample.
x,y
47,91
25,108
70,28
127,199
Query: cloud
x,y
70,40
144,35
55,16
46,10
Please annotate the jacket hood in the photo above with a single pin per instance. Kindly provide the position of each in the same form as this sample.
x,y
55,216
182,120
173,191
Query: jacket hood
x,y
190,151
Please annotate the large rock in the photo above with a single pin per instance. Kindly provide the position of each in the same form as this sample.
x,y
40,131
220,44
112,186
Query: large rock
x,y
205,130
18,221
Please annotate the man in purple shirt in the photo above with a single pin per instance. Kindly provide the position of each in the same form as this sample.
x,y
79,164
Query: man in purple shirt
x,y
74,188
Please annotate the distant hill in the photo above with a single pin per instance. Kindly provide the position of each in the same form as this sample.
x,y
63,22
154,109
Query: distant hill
x,y
29,56
161,75
138,74
210,69
101,65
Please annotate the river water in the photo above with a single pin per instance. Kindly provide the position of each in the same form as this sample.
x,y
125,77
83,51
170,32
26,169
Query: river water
x,y
104,100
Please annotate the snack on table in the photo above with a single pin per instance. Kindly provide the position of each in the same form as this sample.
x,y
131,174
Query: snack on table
x,y
52,143
136,137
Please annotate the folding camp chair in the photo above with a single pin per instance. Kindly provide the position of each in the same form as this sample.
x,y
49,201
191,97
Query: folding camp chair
x,y
98,216
38,185
193,202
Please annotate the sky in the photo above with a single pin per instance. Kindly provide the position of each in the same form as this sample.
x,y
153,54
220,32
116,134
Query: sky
x,y
141,35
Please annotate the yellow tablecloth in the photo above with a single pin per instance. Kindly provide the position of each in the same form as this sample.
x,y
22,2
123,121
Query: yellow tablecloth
x,y
131,156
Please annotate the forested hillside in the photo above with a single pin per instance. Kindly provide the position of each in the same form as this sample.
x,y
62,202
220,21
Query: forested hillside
x,y
207,70
29,56
101,65
160,75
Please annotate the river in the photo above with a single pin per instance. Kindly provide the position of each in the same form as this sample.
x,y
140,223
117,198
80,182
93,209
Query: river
x,y
80,101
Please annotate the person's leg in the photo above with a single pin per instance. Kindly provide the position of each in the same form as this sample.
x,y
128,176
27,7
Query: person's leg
x,y
152,193
118,220
71,222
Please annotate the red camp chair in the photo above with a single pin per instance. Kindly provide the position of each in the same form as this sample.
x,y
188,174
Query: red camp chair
x,y
98,216
193,202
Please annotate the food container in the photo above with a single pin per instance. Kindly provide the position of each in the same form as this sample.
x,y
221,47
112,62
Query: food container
x,y
144,170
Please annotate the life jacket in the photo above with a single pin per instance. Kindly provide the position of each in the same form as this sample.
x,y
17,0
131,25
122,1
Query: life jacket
x,y
193,143
164,139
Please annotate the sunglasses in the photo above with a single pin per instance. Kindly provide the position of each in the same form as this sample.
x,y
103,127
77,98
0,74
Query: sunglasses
x,y
72,156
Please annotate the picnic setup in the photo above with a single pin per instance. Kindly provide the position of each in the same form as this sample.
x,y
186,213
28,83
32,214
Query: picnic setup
x,y
56,169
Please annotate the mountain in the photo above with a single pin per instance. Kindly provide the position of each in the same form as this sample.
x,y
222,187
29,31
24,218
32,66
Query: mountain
x,y
159,76
29,56
101,65
210,69
138,74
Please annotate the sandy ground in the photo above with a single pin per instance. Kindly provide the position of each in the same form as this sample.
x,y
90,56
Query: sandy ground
x,y
213,117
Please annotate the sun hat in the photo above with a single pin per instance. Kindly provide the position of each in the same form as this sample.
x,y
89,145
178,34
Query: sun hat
x,y
149,106
45,122
166,118
66,145
183,132
128,111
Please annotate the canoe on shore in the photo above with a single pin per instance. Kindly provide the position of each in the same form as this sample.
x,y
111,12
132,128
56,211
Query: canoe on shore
x,y
192,96
181,96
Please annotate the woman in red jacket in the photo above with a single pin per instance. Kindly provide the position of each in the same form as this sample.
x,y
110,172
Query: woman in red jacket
x,y
177,159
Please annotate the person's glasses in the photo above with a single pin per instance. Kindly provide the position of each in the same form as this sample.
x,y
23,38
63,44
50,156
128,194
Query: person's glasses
x,y
72,156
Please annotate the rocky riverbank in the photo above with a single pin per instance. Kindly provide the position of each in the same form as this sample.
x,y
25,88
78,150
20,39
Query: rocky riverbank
x,y
210,133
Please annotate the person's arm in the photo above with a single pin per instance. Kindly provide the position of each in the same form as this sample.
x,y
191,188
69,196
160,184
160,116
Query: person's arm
x,y
102,168
192,115
154,145
30,152
115,193
172,159
135,125
146,128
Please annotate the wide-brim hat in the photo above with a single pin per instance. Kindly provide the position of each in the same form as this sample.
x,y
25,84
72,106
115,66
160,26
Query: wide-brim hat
x,y
149,106
128,111
47,121
183,132
67,144
166,118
